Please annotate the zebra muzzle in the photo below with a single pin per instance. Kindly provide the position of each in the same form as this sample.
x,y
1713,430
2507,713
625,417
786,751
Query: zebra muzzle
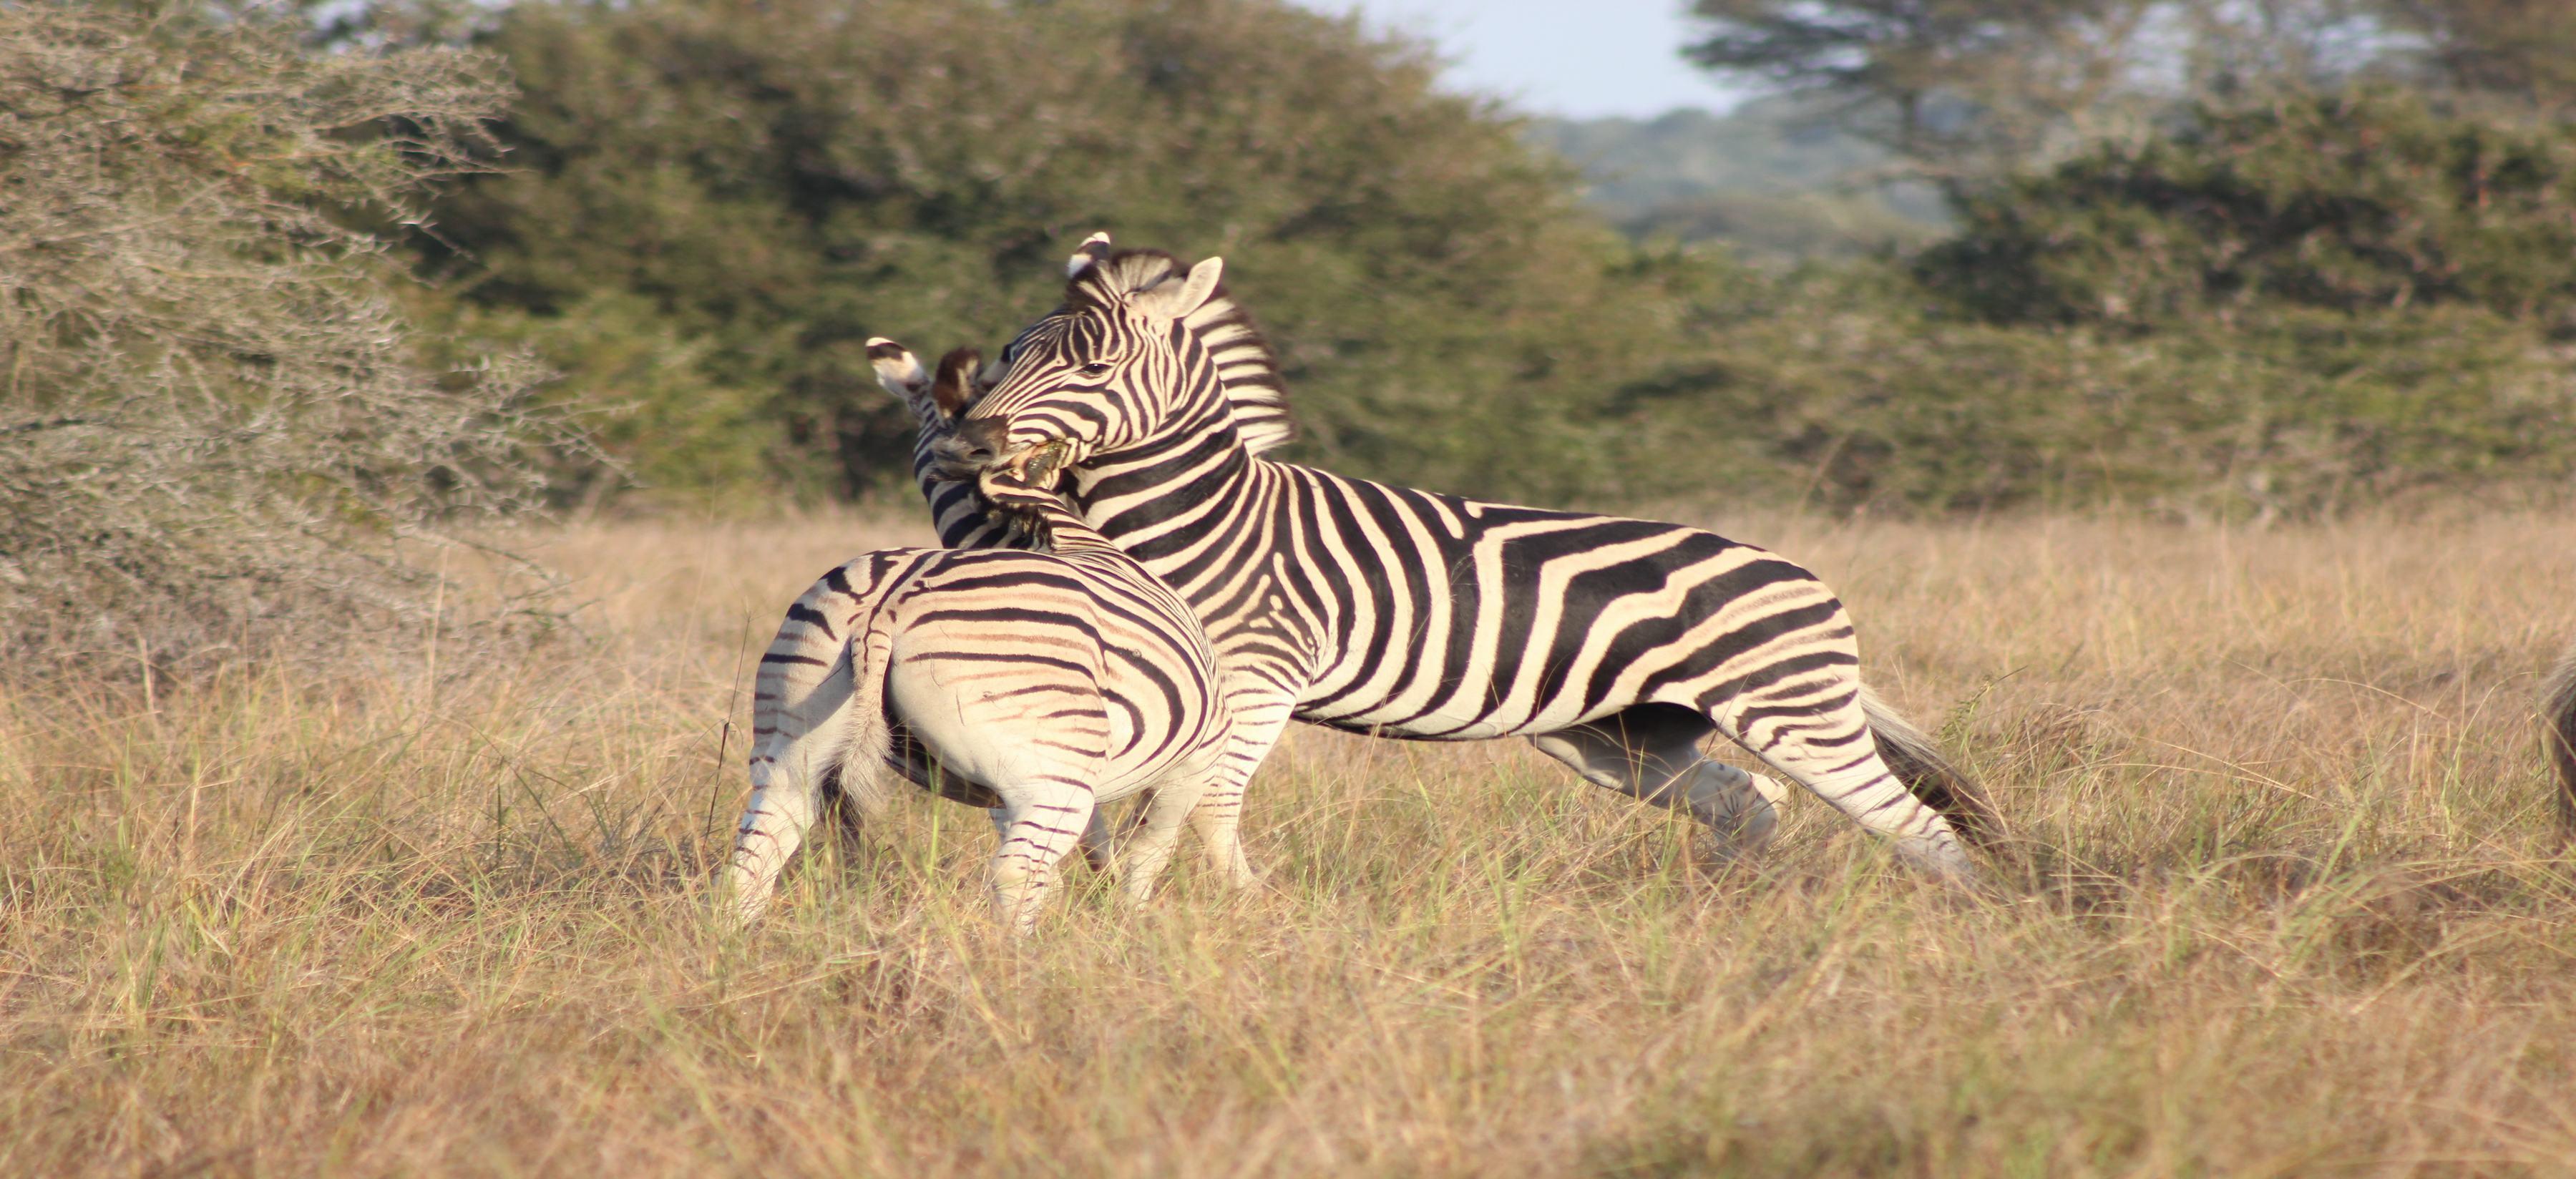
x,y
971,446
1040,464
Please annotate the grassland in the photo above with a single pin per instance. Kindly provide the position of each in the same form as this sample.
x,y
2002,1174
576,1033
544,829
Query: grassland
x,y
2285,904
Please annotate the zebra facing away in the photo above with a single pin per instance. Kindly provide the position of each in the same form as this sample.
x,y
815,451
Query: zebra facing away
x,y
1037,683
1614,645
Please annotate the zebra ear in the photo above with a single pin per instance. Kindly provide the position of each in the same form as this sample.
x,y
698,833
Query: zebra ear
x,y
1087,255
956,387
898,370
1173,302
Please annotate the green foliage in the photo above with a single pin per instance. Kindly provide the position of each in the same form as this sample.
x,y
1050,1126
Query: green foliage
x,y
1848,388
2293,309
2352,202
773,183
2520,54
2290,306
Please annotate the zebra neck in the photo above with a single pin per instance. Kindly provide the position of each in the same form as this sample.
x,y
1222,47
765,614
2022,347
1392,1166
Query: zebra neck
x,y
1068,534
1180,481
956,512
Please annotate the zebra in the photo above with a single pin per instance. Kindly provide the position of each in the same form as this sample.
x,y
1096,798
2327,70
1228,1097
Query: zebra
x,y
951,497
2558,737
1039,684
1613,645
958,513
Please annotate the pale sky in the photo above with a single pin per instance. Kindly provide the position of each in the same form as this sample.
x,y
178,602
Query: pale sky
x,y
1580,58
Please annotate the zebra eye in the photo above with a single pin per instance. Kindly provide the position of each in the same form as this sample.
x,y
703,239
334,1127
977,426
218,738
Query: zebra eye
x,y
1097,368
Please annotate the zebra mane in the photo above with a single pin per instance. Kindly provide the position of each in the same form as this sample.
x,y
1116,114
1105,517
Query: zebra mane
x,y
1244,362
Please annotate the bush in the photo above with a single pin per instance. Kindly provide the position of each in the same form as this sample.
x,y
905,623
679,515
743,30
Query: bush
x,y
2290,310
211,428
1853,388
709,206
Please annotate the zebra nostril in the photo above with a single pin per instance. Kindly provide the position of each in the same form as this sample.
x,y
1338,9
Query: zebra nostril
x,y
975,444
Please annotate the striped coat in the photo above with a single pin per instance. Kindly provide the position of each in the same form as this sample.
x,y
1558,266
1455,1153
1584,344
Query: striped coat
x,y
1039,684
1614,645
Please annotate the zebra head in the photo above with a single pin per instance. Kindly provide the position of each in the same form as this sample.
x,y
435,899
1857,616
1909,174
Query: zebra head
x,y
1116,367
1025,493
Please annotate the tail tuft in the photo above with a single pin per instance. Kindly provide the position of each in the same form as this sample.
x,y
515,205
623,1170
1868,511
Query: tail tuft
x,y
2558,737
1932,778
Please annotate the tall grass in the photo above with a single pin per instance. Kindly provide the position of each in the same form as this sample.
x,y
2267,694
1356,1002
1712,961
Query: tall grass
x,y
2282,903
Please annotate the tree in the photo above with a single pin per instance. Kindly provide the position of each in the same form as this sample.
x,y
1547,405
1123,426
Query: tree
x,y
2352,202
1970,90
762,186
212,429
2520,51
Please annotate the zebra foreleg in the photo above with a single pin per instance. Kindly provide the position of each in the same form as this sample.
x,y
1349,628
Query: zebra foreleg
x,y
1218,818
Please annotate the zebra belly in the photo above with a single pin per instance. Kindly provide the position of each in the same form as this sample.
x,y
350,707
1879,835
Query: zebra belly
x,y
913,762
1461,725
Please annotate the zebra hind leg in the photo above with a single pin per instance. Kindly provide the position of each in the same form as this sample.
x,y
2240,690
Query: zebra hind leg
x,y
1651,753
1047,819
1218,822
789,772
1813,730
1099,845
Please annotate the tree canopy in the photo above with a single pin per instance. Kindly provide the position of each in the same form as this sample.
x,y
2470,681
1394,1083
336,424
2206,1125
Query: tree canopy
x,y
756,188
2353,201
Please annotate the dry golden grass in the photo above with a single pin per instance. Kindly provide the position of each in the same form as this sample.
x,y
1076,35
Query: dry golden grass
x,y
2284,909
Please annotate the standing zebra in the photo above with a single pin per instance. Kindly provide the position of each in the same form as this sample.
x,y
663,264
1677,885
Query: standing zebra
x,y
1614,645
1036,683
2558,737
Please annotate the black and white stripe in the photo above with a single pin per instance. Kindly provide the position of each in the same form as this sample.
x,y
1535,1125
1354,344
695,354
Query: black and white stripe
x,y
1615,645
1037,683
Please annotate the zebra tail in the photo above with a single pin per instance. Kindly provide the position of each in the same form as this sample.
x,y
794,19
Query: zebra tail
x,y
1931,777
2558,737
860,777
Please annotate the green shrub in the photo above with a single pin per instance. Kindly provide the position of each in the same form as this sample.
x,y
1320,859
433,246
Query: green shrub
x,y
1851,388
708,206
